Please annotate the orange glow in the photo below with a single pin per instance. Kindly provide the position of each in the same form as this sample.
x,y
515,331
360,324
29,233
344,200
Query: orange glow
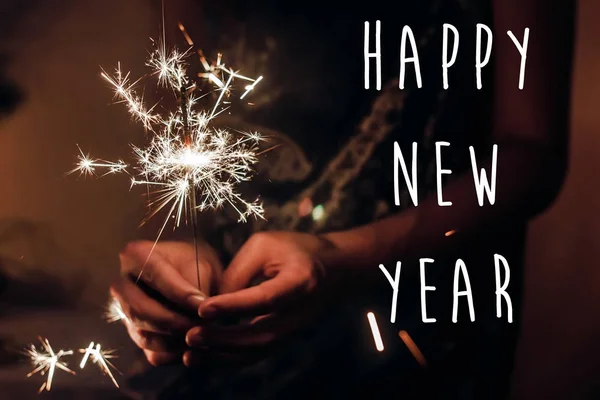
x,y
187,37
412,347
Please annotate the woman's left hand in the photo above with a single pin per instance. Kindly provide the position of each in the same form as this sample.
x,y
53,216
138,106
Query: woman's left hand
x,y
296,289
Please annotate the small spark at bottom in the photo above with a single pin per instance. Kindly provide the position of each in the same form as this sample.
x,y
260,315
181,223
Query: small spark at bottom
x,y
375,331
99,357
47,361
413,348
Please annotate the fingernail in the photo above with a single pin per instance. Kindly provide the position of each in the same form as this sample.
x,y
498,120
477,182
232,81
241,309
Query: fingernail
x,y
196,299
188,359
194,337
207,312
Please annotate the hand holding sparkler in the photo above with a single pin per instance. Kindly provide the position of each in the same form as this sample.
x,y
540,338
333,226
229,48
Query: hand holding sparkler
x,y
163,305
297,289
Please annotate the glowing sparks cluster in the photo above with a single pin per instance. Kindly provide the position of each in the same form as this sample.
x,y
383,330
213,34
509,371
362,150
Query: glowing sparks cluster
x,y
114,312
189,165
207,161
99,357
220,75
217,73
47,361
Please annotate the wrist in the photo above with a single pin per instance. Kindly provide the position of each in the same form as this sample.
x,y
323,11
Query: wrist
x,y
349,259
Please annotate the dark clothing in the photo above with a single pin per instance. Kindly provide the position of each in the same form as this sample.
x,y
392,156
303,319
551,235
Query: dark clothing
x,y
337,155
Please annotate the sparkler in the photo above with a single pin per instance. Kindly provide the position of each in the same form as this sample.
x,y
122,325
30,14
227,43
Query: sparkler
x,y
99,357
190,165
47,361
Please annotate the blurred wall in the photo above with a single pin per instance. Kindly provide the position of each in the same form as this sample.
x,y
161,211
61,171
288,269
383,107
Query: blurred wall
x,y
71,226
63,224
559,354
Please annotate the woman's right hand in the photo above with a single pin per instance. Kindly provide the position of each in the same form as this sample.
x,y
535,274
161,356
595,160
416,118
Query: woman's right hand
x,y
157,322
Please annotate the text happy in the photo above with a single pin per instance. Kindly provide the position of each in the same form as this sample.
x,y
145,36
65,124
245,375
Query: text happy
x,y
482,56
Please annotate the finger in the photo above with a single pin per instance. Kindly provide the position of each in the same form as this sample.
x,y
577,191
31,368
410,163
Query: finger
x,y
261,331
191,358
246,265
145,312
142,259
227,337
261,299
155,341
181,253
157,359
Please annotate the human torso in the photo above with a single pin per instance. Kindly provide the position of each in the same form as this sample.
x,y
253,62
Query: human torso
x,y
334,167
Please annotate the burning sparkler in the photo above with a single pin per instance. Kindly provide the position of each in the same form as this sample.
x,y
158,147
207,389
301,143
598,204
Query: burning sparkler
x,y
191,164
47,361
99,357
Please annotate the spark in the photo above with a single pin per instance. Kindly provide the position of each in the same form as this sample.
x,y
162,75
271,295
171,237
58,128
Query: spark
x,y
124,90
99,357
87,166
187,37
114,312
375,331
450,233
251,87
413,348
47,361
217,72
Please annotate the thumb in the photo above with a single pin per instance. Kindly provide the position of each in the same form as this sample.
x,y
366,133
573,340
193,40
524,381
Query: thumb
x,y
244,268
247,264
160,275
265,298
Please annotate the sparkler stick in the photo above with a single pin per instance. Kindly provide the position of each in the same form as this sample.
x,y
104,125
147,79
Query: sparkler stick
x,y
99,357
195,231
47,361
